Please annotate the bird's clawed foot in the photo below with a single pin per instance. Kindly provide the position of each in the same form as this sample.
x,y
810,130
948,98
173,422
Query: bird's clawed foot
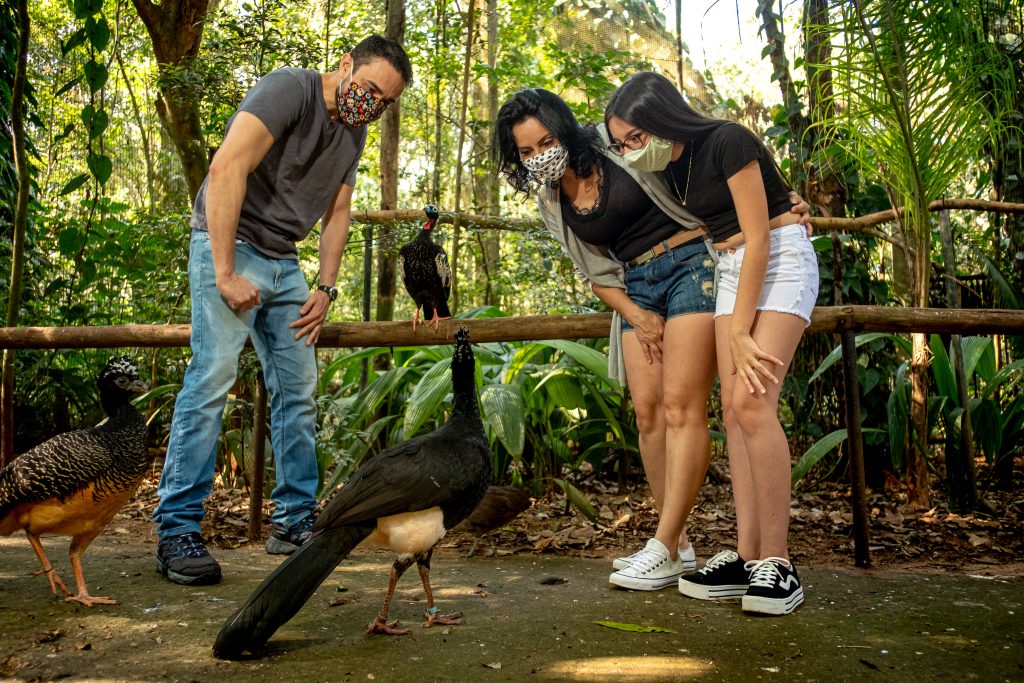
x,y
415,319
379,625
446,619
54,579
90,600
435,321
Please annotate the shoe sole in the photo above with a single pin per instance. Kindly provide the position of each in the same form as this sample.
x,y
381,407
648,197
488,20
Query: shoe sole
x,y
774,606
701,592
637,584
276,546
185,580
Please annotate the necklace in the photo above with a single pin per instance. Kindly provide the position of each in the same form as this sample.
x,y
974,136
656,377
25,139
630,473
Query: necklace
x,y
681,196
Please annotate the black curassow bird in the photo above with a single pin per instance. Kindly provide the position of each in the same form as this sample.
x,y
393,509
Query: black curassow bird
x,y
406,498
73,484
425,272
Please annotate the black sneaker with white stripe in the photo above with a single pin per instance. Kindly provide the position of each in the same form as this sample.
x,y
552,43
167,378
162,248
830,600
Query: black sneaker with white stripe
x,y
722,577
774,587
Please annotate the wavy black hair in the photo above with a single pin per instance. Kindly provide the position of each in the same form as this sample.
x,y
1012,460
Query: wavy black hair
x,y
583,142
650,101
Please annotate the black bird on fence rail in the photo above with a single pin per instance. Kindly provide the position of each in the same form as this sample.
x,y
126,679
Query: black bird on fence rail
x,y
406,498
425,272
73,484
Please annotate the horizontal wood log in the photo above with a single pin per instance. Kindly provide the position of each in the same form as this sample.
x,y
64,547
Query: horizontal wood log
x,y
857,224
826,319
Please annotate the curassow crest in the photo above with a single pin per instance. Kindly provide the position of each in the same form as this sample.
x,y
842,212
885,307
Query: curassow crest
x,y
405,498
423,265
73,484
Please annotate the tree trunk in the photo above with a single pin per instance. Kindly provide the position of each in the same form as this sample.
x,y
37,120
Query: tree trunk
x,y
176,29
387,259
470,23
797,121
20,228
917,455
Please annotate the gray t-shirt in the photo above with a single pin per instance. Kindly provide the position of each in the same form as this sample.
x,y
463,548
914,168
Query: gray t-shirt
x,y
294,184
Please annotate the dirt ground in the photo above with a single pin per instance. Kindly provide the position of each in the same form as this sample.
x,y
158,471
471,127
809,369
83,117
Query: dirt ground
x,y
943,599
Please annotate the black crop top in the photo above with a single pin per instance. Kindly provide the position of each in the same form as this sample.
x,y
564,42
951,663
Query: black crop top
x,y
716,158
625,219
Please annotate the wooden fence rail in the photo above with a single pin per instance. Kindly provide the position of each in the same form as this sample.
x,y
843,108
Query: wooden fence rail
x,y
843,320
521,328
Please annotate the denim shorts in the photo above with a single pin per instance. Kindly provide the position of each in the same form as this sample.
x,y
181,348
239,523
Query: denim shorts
x,y
680,281
791,277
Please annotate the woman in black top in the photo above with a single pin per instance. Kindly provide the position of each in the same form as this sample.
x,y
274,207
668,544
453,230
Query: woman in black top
x,y
642,255
724,174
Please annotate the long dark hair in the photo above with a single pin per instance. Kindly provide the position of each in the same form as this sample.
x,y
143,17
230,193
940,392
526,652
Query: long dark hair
x,y
583,142
650,101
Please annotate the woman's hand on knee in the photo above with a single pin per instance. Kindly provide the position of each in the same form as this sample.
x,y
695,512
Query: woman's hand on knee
x,y
752,363
650,331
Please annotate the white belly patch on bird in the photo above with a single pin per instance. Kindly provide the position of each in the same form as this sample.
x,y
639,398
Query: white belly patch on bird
x,y
410,532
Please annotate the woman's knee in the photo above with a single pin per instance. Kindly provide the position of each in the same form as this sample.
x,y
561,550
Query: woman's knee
x,y
750,412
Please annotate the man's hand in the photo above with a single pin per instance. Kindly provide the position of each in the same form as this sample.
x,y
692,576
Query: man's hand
x,y
312,317
239,293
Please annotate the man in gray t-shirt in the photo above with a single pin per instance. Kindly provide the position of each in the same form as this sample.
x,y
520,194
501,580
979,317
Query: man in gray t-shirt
x,y
289,158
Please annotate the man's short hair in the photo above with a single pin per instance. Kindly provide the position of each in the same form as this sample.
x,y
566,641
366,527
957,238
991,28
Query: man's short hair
x,y
378,47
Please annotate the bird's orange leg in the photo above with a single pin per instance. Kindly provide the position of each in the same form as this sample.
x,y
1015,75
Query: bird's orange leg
x,y
380,624
432,616
415,318
47,568
78,546
436,320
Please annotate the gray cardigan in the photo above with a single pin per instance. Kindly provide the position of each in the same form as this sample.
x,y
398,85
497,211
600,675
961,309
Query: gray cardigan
x,y
595,264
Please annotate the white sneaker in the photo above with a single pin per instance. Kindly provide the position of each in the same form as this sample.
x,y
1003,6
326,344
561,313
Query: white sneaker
x,y
688,556
652,571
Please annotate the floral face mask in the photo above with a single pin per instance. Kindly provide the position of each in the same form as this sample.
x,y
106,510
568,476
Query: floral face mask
x,y
357,106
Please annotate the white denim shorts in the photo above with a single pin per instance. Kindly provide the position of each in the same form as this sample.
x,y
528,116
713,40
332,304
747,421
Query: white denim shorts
x,y
791,278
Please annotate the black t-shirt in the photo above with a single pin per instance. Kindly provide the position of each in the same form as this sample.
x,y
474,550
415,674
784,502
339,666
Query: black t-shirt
x,y
716,158
625,219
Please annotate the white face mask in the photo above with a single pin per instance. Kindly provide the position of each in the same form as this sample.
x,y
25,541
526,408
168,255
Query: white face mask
x,y
652,157
549,165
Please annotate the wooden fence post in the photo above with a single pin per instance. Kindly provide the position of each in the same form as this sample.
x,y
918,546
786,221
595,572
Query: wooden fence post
x,y
259,457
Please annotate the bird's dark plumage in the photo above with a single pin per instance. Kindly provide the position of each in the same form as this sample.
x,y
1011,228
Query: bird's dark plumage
x,y
73,484
425,272
500,505
406,498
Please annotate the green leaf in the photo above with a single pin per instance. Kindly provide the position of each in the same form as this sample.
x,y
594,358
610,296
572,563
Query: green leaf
x,y
74,184
577,498
100,166
86,8
942,369
634,628
563,387
816,452
70,241
99,33
68,86
860,340
427,397
95,75
73,41
504,409
98,124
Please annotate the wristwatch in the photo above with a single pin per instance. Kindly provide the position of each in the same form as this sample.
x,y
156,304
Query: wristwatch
x,y
332,292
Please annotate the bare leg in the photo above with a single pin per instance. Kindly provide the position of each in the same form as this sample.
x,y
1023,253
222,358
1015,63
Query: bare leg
x,y
686,384
380,624
47,568
423,564
78,546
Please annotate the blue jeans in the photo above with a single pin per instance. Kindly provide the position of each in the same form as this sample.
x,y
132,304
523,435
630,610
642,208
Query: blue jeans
x,y
678,282
289,368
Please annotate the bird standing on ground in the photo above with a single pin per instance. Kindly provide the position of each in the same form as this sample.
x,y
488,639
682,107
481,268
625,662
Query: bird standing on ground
x,y
425,272
73,484
406,498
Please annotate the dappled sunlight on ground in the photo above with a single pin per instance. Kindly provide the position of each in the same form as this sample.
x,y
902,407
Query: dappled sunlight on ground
x,y
598,669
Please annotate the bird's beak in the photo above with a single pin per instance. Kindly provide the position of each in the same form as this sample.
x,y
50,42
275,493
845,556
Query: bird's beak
x,y
138,386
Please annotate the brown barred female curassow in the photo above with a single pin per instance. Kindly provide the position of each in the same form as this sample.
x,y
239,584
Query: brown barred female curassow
x,y
406,498
73,484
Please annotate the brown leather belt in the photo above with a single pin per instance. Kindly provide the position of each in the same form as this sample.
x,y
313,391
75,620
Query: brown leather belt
x,y
681,237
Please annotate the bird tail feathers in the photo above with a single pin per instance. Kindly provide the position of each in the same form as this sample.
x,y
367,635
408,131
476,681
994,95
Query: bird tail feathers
x,y
286,590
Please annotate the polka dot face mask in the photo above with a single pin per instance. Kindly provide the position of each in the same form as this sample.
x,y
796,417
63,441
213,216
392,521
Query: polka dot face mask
x,y
549,165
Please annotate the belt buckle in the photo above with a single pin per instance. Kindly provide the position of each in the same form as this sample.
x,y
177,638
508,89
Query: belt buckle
x,y
643,258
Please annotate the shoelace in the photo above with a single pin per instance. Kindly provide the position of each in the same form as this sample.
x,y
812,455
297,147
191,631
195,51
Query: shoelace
x,y
648,561
763,573
724,557
191,545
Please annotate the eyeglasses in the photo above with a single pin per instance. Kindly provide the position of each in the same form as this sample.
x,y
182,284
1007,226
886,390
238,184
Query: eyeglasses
x,y
630,143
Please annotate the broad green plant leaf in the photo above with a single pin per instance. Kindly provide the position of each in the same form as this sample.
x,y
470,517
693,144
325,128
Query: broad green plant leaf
x,y
563,387
861,339
577,498
504,410
820,449
95,74
74,183
101,167
99,33
427,397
